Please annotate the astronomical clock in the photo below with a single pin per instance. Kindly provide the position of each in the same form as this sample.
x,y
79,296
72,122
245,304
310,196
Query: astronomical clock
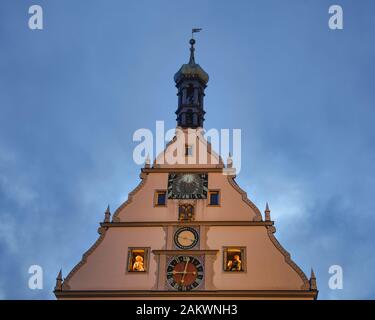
x,y
185,270
185,273
186,238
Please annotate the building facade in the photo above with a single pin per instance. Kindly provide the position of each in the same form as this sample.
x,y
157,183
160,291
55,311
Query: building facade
x,y
187,231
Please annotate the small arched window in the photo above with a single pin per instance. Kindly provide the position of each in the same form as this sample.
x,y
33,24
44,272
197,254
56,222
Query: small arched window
x,y
190,94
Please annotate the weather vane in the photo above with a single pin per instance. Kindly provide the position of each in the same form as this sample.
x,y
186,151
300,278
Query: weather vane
x,y
194,30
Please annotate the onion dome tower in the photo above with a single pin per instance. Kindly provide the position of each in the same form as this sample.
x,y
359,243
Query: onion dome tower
x,y
191,81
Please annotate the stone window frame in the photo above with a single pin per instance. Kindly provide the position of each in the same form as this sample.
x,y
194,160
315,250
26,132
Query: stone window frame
x,y
209,198
156,193
146,260
187,148
243,259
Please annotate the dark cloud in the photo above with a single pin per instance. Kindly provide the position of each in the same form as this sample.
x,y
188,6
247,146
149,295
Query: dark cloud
x,y
72,95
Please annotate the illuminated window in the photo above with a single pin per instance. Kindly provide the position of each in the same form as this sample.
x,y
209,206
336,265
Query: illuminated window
x,y
214,198
234,259
160,198
137,259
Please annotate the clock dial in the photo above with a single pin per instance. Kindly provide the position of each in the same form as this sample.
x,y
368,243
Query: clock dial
x,y
187,186
186,238
185,273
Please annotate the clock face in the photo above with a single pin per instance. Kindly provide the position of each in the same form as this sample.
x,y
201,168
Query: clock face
x,y
186,238
187,186
185,273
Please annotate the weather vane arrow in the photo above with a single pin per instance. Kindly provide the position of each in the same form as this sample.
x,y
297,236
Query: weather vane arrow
x,y
195,30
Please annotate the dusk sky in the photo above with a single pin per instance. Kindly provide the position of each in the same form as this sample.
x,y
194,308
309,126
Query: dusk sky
x,y
72,95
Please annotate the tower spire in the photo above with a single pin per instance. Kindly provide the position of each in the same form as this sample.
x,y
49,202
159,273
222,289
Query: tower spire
x,y
59,281
192,49
107,215
192,43
312,281
267,213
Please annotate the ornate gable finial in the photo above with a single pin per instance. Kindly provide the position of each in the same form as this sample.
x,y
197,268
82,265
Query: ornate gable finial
x,y
229,161
148,161
107,215
313,285
267,213
59,280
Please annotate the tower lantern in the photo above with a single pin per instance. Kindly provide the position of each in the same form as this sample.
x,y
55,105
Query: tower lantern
x,y
191,81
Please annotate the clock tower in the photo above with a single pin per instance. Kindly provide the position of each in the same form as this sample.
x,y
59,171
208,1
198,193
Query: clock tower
x,y
187,231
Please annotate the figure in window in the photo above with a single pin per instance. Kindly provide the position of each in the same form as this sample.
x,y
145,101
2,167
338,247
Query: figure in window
x,y
234,264
138,264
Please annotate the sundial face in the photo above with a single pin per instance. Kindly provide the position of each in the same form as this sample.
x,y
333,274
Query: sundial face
x,y
187,186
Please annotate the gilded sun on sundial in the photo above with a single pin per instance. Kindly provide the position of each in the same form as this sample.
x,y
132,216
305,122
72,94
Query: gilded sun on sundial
x,y
187,186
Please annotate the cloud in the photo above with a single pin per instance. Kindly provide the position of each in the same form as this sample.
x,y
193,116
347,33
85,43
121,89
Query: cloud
x,y
8,231
70,105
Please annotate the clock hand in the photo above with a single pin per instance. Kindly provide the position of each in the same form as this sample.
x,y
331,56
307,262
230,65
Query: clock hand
x,y
192,240
184,273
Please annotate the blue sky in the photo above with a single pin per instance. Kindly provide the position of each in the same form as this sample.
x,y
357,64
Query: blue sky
x,y
72,95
